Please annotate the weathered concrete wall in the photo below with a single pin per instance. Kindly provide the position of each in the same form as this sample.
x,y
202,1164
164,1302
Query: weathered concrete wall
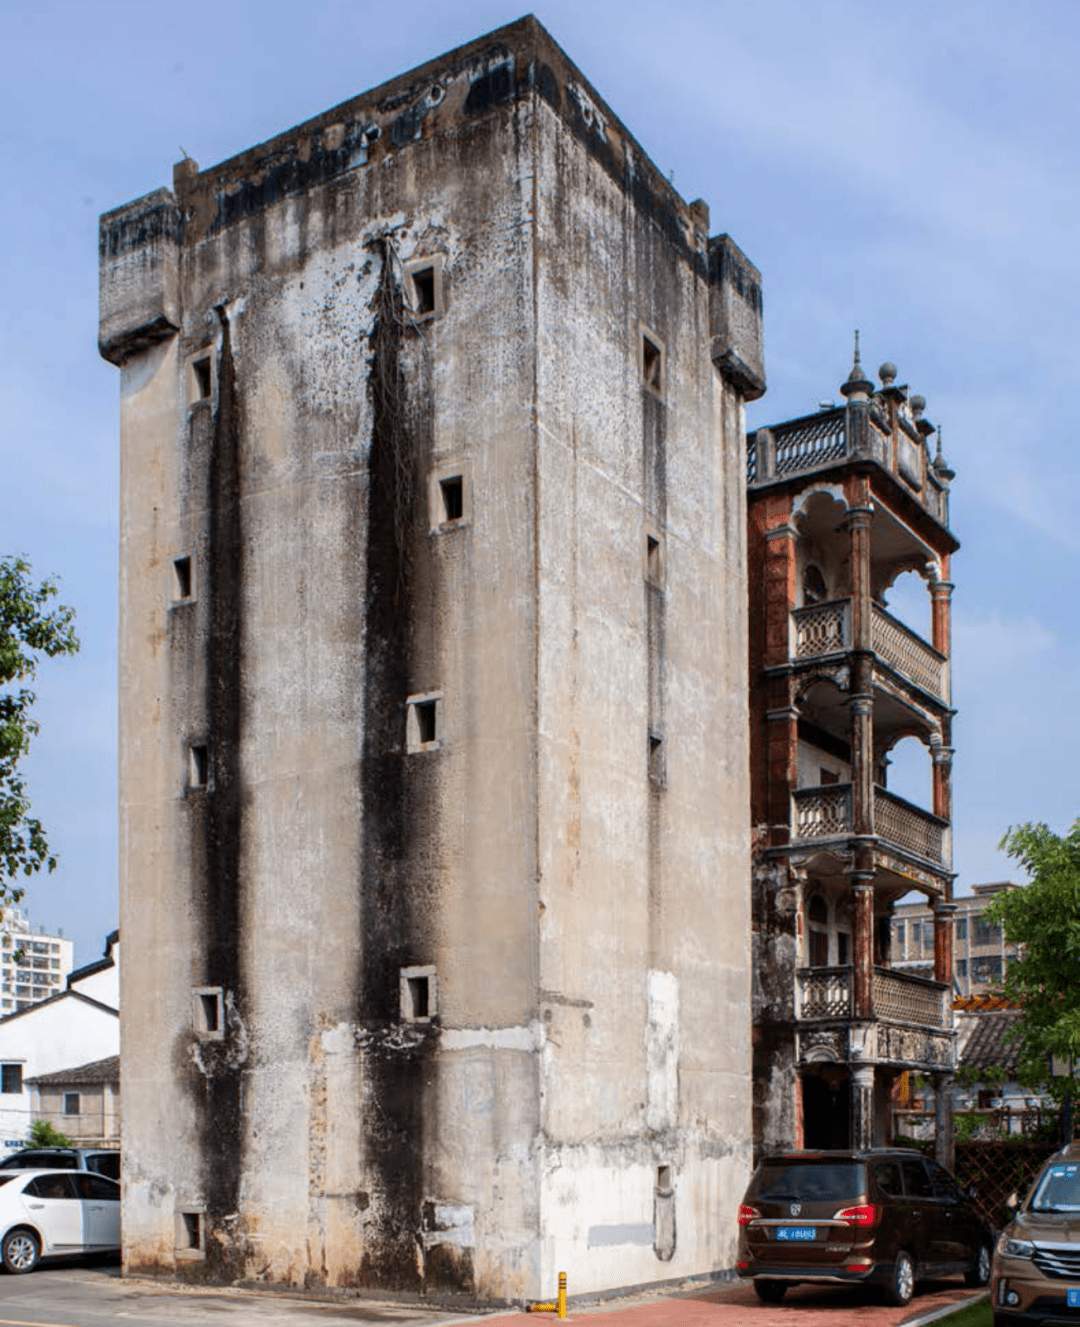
x,y
297,842
644,932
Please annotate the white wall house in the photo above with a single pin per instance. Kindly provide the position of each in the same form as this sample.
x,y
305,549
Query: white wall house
x,y
75,1027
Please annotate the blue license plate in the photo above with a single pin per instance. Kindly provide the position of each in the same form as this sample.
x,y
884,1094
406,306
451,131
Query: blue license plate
x,y
1073,1297
802,1233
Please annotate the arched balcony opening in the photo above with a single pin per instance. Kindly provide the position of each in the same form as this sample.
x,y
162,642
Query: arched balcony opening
x,y
908,600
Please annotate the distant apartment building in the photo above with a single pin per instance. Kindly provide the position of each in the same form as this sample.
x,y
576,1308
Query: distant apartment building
x,y
32,966
980,951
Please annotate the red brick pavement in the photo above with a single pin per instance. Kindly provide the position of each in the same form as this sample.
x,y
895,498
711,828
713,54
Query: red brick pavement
x,y
738,1306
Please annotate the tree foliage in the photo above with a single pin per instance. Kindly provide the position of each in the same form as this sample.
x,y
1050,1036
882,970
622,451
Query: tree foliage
x,y
1044,918
30,628
43,1134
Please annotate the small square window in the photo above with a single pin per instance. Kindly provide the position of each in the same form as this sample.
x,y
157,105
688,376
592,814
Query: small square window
x,y
417,994
449,496
207,1013
423,722
11,1078
72,1105
450,489
198,765
424,287
651,361
190,1232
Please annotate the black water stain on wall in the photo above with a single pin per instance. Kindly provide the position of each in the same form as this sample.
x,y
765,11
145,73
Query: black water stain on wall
x,y
217,826
654,482
397,904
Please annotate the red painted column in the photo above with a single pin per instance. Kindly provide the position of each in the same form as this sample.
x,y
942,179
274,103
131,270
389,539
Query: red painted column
x,y
863,892
943,940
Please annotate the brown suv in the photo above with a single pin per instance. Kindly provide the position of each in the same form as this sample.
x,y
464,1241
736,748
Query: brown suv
x,y
887,1216
1036,1272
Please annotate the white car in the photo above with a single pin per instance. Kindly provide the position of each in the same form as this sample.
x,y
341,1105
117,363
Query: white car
x,y
56,1214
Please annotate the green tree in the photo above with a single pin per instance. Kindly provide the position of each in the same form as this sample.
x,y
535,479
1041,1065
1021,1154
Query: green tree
x,y
42,1134
1044,918
30,628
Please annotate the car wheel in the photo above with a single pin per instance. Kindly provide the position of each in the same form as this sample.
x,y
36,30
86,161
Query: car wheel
x,y
769,1292
20,1251
980,1273
901,1284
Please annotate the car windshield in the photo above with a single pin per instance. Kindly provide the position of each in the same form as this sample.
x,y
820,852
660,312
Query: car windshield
x,y
1058,1189
810,1181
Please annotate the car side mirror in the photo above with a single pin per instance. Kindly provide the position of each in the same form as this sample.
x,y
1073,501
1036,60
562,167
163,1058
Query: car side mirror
x,y
1013,1201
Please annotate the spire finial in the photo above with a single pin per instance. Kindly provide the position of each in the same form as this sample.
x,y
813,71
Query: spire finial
x,y
858,384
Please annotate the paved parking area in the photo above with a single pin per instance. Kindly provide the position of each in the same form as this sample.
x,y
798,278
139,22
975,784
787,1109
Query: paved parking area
x,y
737,1306
86,1296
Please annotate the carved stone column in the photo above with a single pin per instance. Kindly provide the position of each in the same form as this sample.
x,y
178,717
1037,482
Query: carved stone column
x,y
862,1106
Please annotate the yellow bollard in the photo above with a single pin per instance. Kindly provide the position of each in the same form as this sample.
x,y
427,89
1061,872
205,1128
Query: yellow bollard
x,y
562,1294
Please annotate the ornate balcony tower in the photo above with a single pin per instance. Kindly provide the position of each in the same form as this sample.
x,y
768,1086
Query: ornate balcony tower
x,y
840,503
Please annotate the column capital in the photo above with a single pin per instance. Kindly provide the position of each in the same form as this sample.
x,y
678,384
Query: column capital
x,y
943,908
863,1074
941,589
942,755
782,715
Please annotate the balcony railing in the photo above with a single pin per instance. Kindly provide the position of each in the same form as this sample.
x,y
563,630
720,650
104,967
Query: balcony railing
x,y
909,827
897,997
908,653
822,628
901,998
824,992
825,812
822,813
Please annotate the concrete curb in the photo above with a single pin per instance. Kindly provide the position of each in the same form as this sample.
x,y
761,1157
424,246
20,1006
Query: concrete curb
x,y
932,1315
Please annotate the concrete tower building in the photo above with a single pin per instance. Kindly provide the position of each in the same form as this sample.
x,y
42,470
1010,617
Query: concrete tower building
x,y
842,503
434,825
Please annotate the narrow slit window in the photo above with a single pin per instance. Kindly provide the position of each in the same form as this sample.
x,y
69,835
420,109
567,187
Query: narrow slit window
x,y
663,1178
451,490
417,994
182,568
202,374
198,765
652,363
656,760
654,558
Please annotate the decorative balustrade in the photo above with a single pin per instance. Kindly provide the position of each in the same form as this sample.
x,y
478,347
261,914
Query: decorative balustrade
x,y
901,998
822,628
822,813
909,827
825,992
908,653
751,459
805,444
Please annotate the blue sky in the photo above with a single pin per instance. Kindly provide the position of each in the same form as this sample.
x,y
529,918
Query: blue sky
x,y
909,169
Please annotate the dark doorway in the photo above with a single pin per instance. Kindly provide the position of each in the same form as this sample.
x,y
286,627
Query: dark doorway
x,y
826,1110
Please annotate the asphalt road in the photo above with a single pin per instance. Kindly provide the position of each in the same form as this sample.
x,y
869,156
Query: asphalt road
x,y
78,1295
